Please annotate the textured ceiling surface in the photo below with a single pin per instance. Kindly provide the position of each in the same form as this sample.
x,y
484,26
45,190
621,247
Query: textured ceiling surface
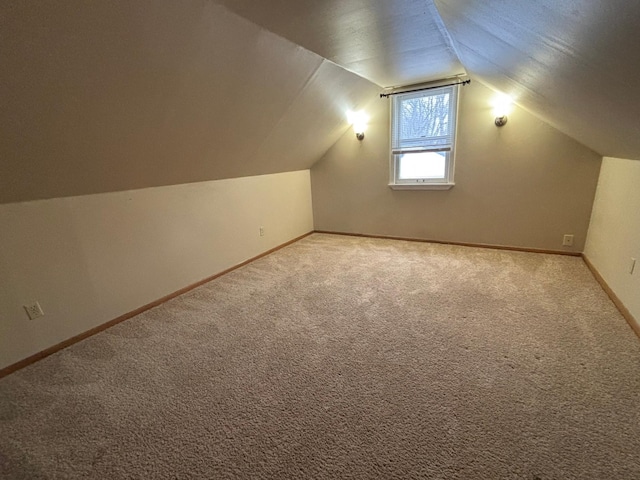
x,y
106,96
118,95
573,63
390,43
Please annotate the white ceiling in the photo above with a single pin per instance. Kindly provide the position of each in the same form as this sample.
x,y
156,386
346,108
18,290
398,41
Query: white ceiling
x,y
574,63
389,43
118,95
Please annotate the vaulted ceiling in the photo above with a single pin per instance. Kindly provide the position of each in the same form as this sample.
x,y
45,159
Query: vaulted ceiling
x,y
103,96
574,63
390,43
109,96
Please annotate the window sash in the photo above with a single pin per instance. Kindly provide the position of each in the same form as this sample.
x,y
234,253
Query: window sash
x,y
446,178
427,141
420,150
434,143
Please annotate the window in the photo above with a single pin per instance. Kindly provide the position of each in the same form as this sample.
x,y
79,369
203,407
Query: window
x,y
423,134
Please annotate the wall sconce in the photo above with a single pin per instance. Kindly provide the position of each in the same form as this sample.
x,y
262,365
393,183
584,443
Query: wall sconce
x,y
359,122
501,108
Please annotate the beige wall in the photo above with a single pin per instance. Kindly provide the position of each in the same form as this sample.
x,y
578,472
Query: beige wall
x,y
90,259
525,184
614,233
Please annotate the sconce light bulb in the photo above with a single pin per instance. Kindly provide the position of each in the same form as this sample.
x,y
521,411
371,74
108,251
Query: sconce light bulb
x,y
359,122
502,105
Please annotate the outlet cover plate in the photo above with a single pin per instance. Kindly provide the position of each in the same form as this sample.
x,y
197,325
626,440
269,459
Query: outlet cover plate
x,y
34,310
567,241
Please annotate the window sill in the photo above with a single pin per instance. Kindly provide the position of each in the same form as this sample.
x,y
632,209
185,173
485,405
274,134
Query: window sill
x,y
421,186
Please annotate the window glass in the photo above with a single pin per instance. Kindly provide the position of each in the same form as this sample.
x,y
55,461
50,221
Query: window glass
x,y
422,165
423,127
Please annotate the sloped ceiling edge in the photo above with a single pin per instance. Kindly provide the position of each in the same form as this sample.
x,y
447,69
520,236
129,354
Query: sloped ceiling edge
x,y
562,61
122,95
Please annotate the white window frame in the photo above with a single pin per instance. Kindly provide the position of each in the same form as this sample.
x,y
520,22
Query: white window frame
x,y
419,183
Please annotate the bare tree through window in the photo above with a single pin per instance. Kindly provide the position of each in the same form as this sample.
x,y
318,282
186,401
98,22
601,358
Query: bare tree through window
x,y
425,117
423,131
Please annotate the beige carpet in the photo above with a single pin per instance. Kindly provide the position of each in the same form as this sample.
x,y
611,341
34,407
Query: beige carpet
x,y
342,357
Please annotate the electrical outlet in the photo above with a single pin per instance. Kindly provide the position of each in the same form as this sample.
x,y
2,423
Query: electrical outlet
x,y
567,241
632,267
34,310
262,231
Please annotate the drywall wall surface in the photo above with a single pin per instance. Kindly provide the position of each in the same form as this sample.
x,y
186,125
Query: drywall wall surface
x,y
120,95
90,259
524,185
614,233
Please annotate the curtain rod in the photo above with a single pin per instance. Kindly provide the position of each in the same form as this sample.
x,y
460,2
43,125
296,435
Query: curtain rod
x,y
464,82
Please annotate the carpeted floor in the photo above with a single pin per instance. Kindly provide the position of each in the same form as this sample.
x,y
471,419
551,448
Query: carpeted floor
x,y
341,357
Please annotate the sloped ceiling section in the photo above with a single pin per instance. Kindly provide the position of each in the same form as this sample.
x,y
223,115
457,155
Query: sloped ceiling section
x,y
107,96
574,63
390,43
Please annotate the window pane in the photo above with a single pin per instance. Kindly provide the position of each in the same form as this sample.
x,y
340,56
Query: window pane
x,y
425,117
427,165
423,128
